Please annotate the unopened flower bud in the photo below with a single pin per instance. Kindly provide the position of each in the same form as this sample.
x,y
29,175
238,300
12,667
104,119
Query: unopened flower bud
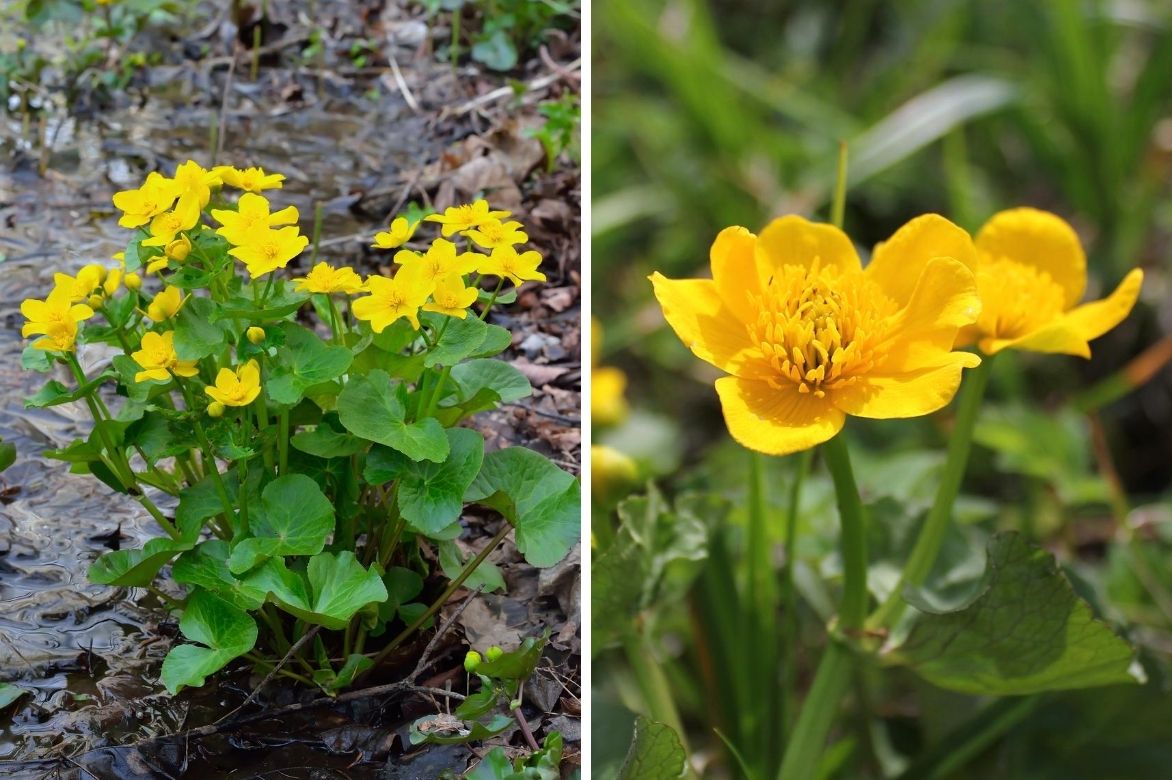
x,y
255,334
613,474
494,653
132,281
179,249
95,301
215,409
472,661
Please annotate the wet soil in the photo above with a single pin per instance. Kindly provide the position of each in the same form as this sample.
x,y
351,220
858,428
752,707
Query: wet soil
x,y
359,143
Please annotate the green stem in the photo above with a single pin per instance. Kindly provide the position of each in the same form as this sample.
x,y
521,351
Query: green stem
x,y
335,321
759,630
853,537
653,684
208,454
935,527
789,600
804,749
484,314
283,441
970,739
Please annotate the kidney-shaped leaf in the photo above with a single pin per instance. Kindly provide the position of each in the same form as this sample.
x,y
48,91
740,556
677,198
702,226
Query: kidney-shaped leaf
x,y
539,499
303,362
207,567
294,519
1025,632
334,588
431,495
368,407
223,632
656,753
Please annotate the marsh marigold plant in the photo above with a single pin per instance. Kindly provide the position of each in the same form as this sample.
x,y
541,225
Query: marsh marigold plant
x,y
304,422
808,336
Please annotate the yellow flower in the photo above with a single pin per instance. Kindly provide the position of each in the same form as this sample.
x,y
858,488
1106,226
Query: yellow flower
x,y
268,249
166,304
250,179
517,268
391,299
194,184
141,205
251,217
494,233
157,358
326,279
607,404
465,217
80,287
167,225
451,297
236,388
56,318
440,260
1031,275
399,234
810,337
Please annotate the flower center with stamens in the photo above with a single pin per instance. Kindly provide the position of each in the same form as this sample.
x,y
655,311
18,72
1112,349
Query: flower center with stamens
x,y
1017,298
819,328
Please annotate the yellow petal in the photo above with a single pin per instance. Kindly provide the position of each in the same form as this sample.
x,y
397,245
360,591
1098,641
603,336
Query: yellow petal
x,y
943,300
733,257
776,421
704,323
1042,240
1070,333
908,394
792,240
898,262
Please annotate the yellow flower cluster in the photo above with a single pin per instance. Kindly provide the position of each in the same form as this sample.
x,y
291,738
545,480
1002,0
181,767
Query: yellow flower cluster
x,y
436,280
809,336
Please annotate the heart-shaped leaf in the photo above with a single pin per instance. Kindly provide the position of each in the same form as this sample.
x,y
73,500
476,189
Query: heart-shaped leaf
x,y
303,362
486,374
431,495
206,566
328,441
369,407
1025,632
294,519
223,631
195,334
334,588
539,499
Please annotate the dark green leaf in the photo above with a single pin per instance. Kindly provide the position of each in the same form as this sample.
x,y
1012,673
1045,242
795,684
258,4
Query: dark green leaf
x,y
334,588
458,339
7,454
1025,632
224,633
656,753
207,567
294,518
195,334
369,407
327,441
136,568
488,374
303,362
431,495
539,499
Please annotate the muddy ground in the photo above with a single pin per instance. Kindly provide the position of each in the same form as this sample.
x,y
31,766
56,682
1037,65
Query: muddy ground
x,y
361,141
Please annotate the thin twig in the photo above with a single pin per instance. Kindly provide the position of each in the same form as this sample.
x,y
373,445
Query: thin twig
x,y
503,92
401,82
310,634
223,112
425,658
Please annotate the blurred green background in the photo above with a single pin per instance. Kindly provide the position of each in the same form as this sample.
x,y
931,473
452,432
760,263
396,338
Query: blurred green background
x,y
707,114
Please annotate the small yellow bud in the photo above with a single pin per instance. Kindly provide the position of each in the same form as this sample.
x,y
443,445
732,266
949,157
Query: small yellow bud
x,y
215,409
113,279
472,660
96,300
179,249
132,281
94,271
494,653
613,474
255,334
